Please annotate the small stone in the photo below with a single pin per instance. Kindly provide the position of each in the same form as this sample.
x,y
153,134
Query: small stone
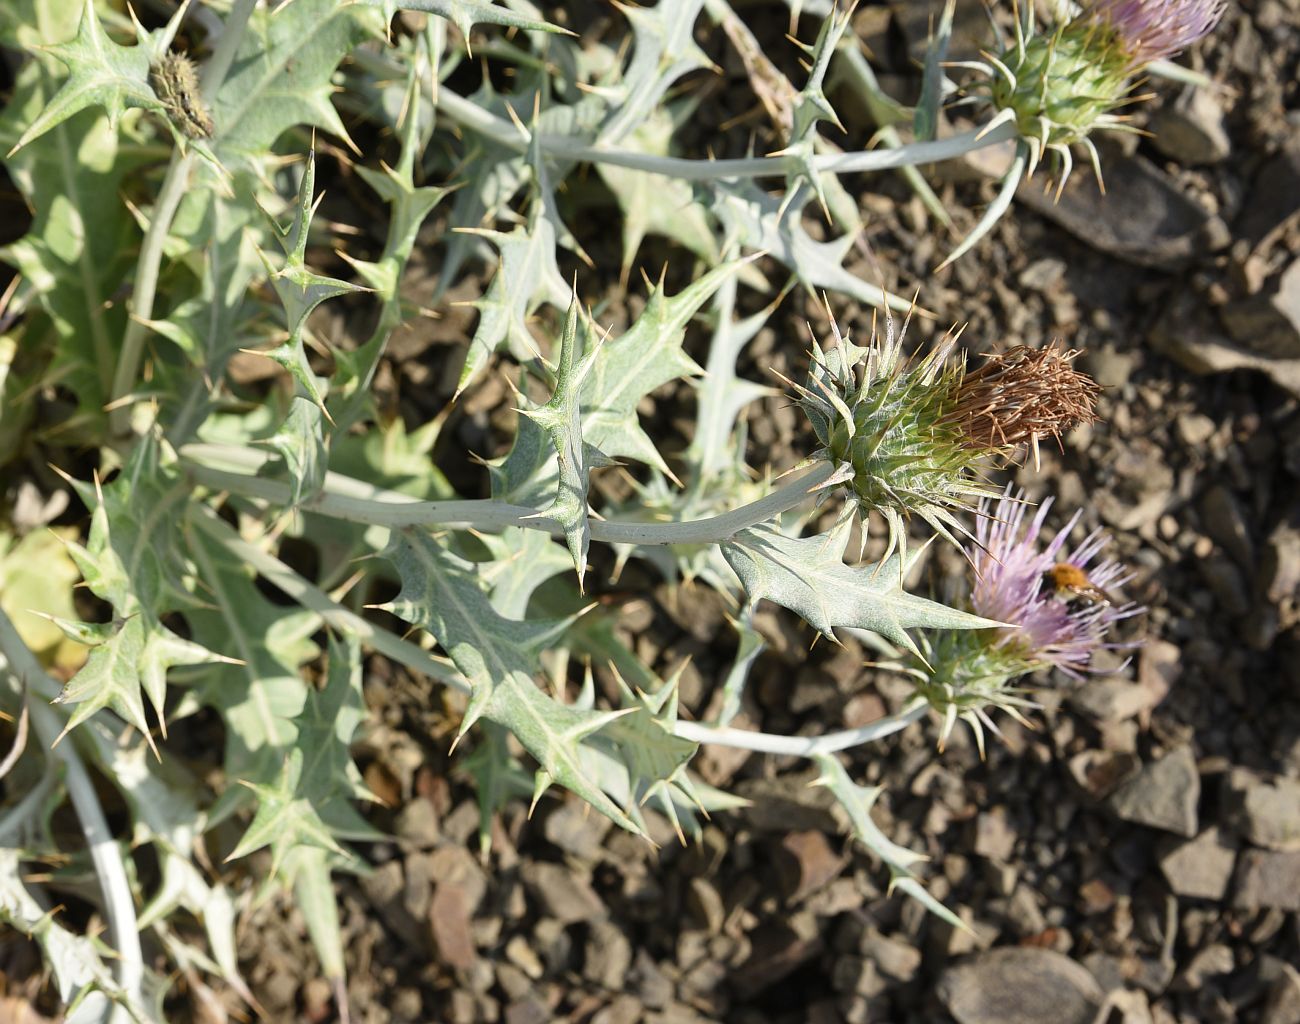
x,y
1042,274
1110,699
1200,868
1283,1003
778,951
607,956
561,893
1266,813
1209,961
1280,570
788,803
809,863
704,901
1109,365
1163,795
1195,428
1020,985
994,837
1225,522
529,1010
1275,196
417,825
857,975
1143,218
1100,772
896,958
1190,130
1268,324
449,918
624,1009
1268,878
522,955
575,830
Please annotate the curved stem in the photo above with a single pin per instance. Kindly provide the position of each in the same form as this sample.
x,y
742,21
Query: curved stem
x,y
473,117
145,289
316,600
105,854
800,746
345,498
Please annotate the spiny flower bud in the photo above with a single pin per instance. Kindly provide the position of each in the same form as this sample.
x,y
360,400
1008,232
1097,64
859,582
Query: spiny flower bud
x,y
1060,85
906,435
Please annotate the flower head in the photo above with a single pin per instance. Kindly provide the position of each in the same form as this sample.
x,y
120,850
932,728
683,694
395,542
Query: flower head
x,y
1150,30
907,436
1059,604
1056,606
1059,85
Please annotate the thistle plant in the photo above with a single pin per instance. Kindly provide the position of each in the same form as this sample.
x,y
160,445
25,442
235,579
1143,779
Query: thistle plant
x,y
173,176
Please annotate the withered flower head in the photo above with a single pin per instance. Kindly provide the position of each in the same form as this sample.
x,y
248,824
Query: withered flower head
x,y
1023,395
907,435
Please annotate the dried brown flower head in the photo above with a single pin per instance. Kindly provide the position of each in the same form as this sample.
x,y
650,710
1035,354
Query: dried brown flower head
x,y
1022,395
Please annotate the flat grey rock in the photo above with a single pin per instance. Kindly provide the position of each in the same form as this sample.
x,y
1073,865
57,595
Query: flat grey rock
x,y
1020,985
1162,795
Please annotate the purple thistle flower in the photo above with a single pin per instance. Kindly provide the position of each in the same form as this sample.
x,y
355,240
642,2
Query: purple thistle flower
x,y
1148,30
1014,586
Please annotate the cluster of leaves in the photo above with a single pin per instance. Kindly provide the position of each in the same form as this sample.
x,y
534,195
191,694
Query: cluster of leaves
x,y
171,231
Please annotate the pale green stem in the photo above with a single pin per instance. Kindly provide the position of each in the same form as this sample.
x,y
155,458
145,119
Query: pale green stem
x,y
314,599
145,289
105,853
355,501
800,746
473,117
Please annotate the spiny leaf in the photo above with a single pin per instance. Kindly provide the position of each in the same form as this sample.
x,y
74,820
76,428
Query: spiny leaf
x,y
561,420
281,75
857,801
646,356
809,577
100,73
442,593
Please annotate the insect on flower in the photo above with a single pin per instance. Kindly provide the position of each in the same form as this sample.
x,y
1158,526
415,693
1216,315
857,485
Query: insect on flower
x,y
1070,583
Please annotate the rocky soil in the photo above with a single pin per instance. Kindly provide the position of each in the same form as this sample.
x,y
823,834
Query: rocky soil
x,y
1135,858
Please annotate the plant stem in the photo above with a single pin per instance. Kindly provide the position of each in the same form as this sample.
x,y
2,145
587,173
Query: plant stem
x,y
355,501
800,746
105,854
316,600
174,185
468,115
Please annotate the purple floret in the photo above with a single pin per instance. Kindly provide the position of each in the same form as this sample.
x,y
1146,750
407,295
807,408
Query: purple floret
x,y
1053,628
1149,30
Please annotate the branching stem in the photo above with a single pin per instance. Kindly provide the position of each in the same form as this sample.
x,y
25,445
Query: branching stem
x,y
105,854
343,497
476,119
800,746
172,191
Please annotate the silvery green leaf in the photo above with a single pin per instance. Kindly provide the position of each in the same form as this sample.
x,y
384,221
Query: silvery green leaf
x,y
655,203
647,355
750,645
498,776
442,593
75,960
857,802
521,561
526,276
722,395
809,577
773,225
664,51
561,421
101,73
300,443
925,123
76,252
281,75
261,698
